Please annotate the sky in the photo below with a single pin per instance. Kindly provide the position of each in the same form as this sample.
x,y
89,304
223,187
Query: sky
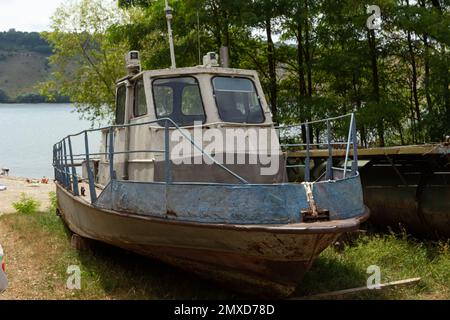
x,y
27,15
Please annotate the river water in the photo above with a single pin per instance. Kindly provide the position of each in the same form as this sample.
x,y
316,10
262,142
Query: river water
x,y
28,133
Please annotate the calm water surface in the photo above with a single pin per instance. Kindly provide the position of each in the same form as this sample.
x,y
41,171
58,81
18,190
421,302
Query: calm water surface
x,y
28,133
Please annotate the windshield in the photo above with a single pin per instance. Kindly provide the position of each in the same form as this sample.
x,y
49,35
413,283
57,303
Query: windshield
x,y
179,99
237,100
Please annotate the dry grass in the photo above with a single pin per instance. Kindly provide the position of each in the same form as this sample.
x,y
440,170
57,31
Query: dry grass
x,y
38,253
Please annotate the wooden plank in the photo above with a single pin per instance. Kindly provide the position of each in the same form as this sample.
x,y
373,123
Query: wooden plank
x,y
361,289
401,150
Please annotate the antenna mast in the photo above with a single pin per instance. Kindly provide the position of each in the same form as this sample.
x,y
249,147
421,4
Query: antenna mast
x,y
169,16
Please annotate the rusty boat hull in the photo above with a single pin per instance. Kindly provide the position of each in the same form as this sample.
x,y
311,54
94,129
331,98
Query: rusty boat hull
x,y
260,260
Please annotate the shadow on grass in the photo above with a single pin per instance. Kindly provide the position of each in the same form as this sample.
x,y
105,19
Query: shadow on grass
x,y
129,275
123,274
126,275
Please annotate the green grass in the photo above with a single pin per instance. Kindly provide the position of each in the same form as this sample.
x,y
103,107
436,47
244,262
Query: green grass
x,y
110,273
26,204
398,256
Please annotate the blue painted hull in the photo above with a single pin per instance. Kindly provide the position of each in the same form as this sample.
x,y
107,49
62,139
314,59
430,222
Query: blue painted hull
x,y
233,204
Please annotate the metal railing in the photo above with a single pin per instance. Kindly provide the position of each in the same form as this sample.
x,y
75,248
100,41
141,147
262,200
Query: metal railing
x,y
324,139
64,159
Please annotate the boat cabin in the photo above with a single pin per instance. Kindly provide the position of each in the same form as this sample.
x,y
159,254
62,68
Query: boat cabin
x,y
206,104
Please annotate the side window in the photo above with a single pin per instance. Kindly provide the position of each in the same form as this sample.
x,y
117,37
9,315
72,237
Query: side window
x,y
237,100
140,104
120,104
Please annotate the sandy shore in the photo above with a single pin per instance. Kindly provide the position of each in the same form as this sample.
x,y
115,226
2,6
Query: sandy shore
x,y
17,186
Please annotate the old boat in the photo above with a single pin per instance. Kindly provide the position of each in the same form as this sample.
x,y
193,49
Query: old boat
x,y
241,223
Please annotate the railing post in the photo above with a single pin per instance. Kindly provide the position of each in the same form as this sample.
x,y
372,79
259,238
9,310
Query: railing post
x,y
92,190
61,165
66,166
355,147
112,173
308,155
74,170
59,161
330,153
347,154
168,161
55,167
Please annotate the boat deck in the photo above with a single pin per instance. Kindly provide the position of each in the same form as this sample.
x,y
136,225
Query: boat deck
x,y
87,193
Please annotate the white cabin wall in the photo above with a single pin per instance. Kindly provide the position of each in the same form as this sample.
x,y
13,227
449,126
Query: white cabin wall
x,y
141,165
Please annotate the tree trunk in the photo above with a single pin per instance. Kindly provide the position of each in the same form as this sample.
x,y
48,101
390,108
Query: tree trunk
x,y
301,74
217,26
307,50
226,41
414,80
272,69
376,83
413,119
400,132
427,67
358,107
427,74
300,61
445,87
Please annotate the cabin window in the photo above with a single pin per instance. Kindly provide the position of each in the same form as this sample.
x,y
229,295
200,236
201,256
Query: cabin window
x,y
140,104
179,99
120,104
237,100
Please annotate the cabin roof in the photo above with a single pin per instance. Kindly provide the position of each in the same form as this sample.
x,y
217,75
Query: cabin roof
x,y
192,71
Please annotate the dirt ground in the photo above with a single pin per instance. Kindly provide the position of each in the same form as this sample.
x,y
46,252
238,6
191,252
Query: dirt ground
x,y
17,186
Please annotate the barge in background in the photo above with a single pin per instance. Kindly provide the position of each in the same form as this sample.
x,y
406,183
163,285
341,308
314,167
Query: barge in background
x,y
404,187
233,223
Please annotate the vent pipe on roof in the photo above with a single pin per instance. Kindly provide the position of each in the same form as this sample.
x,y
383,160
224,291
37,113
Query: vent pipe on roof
x,y
225,57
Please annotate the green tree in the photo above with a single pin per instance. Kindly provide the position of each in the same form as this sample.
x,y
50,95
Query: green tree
x,y
316,59
86,63
3,97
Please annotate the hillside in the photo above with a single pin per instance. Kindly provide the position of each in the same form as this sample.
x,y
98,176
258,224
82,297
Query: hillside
x,y
20,71
23,65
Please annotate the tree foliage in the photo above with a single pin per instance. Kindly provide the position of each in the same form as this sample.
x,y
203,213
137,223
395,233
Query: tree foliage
x,y
13,40
316,58
86,63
